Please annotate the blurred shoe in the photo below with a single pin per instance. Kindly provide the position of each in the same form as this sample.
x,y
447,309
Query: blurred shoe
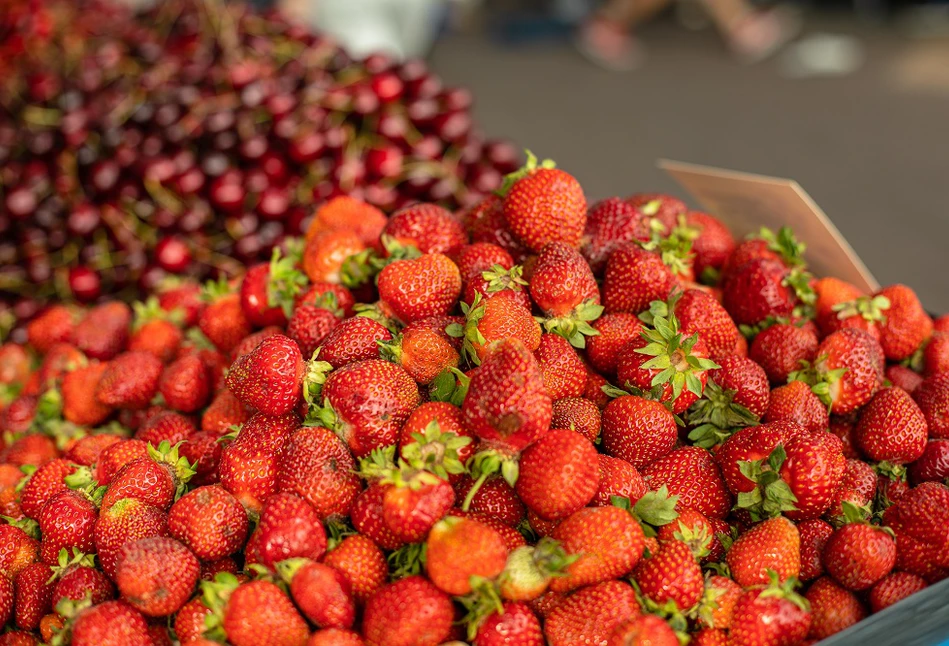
x,y
608,46
762,34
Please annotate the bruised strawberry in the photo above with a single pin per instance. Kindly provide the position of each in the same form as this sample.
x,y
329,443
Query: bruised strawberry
x,y
269,378
316,466
156,575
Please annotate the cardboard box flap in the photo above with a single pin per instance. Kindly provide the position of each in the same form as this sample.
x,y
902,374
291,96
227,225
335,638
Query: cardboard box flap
x,y
746,202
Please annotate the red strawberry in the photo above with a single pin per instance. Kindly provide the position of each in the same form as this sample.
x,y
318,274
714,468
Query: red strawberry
x,y
774,545
423,353
893,588
224,411
409,612
665,209
840,304
324,294
906,325
53,325
156,575
892,428
335,637
34,593
563,370
634,278
223,321
772,615
123,522
325,255
590,615
691,474
594,389
249,465
797,403
507,405
850,363
495,498
858,555
269,378
113,623
316,466
610,223
932,396
782,247
154,332
814,534
321,592
310,325
558,474
86,450
14,364
615,331
712,246
352,340
760,290
289,527
699,311
718,604
362,562
190,621
638,430
67,521
515,624
833,608
412,508
564,288
494,280
418,288
104,331
644,629
367,424
608,540
116,456
80,405
256,612
130,380
475,259
185,385
367,517
345,212
458,549
512,538
933,464
45,482
255,297
78,578
578,414
428,227
936,355
543,204
503,316
165,426
17,550
485,222
156,479
250,342
736,395
617,478
671,575
209,521
184,297
7,595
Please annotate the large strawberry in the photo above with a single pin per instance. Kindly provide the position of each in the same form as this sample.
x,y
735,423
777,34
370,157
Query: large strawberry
x,y
922,514
428,227
796,402
564,288
323,593
699,311
156,575
289,527
130,380
125,521
591,615
110,624
409,612
735,395
209,521
906,325
634,278
638,430
255,612
544,204
772,614
458,549
564,372
773,545
558,474
690,473
353,339
859,554
316,465
250,464
892,428
671,575
67,522
847,372
780,349
269,377
419,288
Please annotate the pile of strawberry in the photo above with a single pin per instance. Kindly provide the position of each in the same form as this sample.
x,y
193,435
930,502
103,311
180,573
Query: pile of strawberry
x,y
533,422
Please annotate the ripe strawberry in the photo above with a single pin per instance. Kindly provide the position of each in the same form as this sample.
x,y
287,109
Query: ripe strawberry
x,y
78,578
323,294
664,209
430,426
190,620
773,615
936,355
367,424
367,518
691,474
155,334
184,297
250,464
55,324
718,602
250,342
156,575
7,594
617,478
255,612
541,527
130,380
345,212
34,593
362,562
32,450
833,608
578,414
80,405
165,426
185,385
409,612
224,411
309,325
782,247
116,456
736,395
45,482
590,615
709,637
113,623
515,624
795,402
638,430
503,316
485,223
644,629
209,521
671,575
932,396
258,306
850,363
558,474
906,325
840,304
495,498
86,450
615,331
269,378
222,321
104,331
774,544
712,246
814,535
933,464
562,368
698,311
60,359
858,554
157,479
14,364
458,549
512,538
352,340
507,406
608,541
760,290
67,521
17,550
289,527
410,509
494,280
316,466
428,227
321,592
325,254
564,288
893,588
610,223
543,204
123,522
476,258
421,287
892,428
423,353
634,278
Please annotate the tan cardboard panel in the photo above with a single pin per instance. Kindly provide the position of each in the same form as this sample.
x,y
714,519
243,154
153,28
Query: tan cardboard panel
x,y
747,202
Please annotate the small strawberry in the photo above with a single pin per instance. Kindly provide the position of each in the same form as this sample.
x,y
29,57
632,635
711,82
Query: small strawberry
x,y
155,330
564,288
476,258
423,353
113,623
617,478
892,428
34,593
893,588
460,549
421,287
858,554
104,331
362,562
848,370
209,521
321,592
156,575
906,325
157,479
773,615
409,612
780,349
310,324
269,378
185,385
434,434
590,615
671,575
412,509
563,370
80,404
638,430
323,294
664,209
558,474
833,608
614,332
55,324
543,204
634,278
368,520
796,402
644,629
428,227
353,339
130,380
255,612
514,624
125,521
578,414
67,521
610,223
690,473
814,534
932,396
773,545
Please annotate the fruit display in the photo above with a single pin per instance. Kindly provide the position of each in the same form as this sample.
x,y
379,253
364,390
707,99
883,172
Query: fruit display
x,y
192,139
534,421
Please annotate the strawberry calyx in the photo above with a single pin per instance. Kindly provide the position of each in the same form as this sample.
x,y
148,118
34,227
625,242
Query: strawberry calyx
x,y
819,379
529,168
855,515
717,416
150,310
485,464
408,560
870,308
435,451
771,495
498,279
181,469
360,268
894,473
777,589
451,385
673,358
27,525
469,332
784,243
674,249
214,290
81,478
671,613
285,281
288,568
483,601
69,609
215,595
699,541
704,611
378,313
654,509
64,563
422,463
575,327
315,375
800,281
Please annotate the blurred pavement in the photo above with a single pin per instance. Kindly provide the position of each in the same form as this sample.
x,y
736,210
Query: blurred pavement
x,y
872,148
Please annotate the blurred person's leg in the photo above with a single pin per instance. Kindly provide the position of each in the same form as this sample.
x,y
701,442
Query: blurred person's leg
x,y
606,37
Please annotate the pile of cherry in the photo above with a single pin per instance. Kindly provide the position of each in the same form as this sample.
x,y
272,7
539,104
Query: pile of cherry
x,y
534,421
174,143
